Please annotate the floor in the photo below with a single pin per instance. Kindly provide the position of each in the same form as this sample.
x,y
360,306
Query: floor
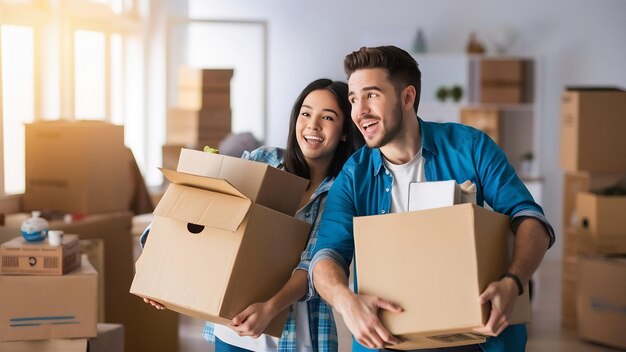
x,y
545,332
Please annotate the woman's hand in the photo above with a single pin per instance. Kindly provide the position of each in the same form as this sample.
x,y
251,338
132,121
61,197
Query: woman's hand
x,y
254,319
155,304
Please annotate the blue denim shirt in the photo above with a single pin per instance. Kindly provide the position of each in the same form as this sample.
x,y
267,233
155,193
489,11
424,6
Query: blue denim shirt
x,y
451,152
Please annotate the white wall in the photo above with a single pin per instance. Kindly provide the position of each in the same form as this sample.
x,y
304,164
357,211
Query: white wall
x,y
579,42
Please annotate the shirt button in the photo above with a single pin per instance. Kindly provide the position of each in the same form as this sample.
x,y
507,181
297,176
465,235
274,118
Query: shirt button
x,y
387,172
382,211
307,214
387,189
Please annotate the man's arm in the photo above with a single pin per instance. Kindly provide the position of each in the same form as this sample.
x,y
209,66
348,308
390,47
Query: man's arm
x,y
506,193
531,243
359,312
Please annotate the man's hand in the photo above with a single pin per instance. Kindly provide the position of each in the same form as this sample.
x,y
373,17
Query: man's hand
x,y
254,319
360,314
155,304
502,295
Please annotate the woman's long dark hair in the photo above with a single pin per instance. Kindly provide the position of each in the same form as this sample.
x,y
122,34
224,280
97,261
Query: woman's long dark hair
x,y
294,159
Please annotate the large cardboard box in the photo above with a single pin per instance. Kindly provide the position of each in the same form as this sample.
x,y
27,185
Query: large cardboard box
x,y
435,264
48,307
261,183
114,229
77,167
110,339
602,224
20,257
210,247
592,125
601,300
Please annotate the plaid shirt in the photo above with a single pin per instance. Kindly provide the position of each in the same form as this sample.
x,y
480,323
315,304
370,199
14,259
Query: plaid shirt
x,y
321,322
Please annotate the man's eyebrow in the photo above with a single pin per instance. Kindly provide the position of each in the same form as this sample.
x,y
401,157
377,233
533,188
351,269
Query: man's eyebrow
x,y
376,88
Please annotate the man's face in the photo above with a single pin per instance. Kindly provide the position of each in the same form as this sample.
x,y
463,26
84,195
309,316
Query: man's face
x,y
376,107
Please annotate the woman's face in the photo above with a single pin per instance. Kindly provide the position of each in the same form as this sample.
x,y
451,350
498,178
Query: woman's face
x,y
319,126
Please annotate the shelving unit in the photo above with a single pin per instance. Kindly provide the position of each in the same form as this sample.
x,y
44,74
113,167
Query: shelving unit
x,y
518,122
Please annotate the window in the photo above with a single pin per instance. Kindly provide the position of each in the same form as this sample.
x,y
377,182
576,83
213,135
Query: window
x,y
17,99
81,60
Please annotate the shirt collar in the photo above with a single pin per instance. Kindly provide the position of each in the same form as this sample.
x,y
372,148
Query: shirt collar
x,y
427,144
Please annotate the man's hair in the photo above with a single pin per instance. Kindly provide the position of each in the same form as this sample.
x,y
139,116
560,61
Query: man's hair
x,y
400,65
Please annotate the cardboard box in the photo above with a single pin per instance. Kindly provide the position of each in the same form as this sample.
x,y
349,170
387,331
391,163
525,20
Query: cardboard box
x,y
193,99
454,252
430,195
582,182
569,287
47,307
592,125
601,215
261,183
185,127
77,167
506,81
601,222
486,119
20,257
94,250
110,339
210,246
203,78
114,229
601,301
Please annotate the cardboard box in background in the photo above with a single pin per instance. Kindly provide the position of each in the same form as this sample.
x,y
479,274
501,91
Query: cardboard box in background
x,y
194,127
47,307
506,81
201,79
584,182
592,126
261,183
114,229
601,215
486,119
110,339
20,257
434,249
209,245
77,167
94,250
601,300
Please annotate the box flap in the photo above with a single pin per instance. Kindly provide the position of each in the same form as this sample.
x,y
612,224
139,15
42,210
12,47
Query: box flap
x,y
203,207
207,183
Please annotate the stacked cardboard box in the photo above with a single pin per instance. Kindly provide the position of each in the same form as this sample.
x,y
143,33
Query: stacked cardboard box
x,y
223,223
110,338
506,81
203,113
48,292
593,155
486,119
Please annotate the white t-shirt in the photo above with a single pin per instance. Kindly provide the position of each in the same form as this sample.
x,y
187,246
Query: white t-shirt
x,y
403,175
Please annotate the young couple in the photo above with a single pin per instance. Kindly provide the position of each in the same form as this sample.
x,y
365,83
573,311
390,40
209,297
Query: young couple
x,y
381,98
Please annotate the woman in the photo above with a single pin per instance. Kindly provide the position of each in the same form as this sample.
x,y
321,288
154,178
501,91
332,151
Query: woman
x,y
321,138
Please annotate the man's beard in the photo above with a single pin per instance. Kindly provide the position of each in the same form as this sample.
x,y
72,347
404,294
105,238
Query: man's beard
x,y
396,126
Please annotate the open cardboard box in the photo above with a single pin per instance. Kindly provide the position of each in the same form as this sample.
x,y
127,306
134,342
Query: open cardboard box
x,y
212,250
435,264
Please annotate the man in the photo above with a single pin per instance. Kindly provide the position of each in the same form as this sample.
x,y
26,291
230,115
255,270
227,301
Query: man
x,y
384,84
